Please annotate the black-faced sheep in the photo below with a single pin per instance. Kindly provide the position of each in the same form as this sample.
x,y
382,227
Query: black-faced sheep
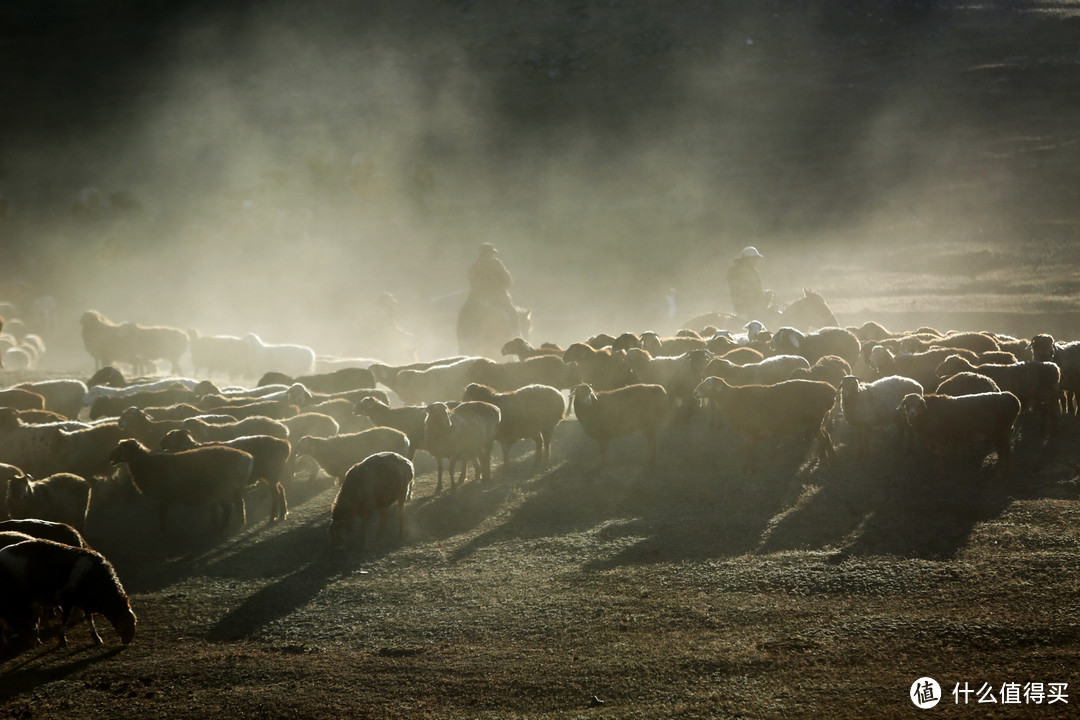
x,y
464,433
942,422
213,475
335,455
816,345
759,411
378,482
63,497
271,458
43,572
528,413
870,405
608,414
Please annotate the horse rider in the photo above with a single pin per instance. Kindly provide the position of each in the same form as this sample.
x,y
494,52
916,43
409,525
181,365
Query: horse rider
x,y
490,281
747,296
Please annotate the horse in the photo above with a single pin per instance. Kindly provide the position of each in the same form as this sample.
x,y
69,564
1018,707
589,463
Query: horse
x,y
483,328
807,313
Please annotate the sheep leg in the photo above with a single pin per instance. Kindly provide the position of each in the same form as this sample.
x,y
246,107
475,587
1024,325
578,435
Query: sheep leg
x,y
485,465
438,464
283,503
825,444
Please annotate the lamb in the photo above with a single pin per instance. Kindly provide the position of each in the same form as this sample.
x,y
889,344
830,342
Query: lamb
x,y
271,458
289,359
870,405
466,433
378,482
220,353
601,369
64,396
530,412
409,420
769,371
1036,385
335,455
542,370
967,383
608,414
523,350
816,345
44,572
204,431
943,422
202,476
45,530
435,384
63,497
757,411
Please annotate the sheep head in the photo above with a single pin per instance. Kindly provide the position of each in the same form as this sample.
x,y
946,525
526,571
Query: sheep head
x,y
952,365
583,395
786,339
476,391
913,406
125,450
176,440
132,419
438,415
1043,348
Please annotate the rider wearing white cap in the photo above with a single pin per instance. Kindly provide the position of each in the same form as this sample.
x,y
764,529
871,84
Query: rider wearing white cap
x,y
748,297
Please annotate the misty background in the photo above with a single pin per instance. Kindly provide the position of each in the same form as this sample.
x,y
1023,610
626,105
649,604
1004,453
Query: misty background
x,y
275,166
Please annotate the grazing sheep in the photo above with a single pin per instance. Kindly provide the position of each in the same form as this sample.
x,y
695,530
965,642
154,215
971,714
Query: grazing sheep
x,y
378,482
464,433
409,420
204,431
44,572
816,345
63,497
63,396
289,359
45,530
528,413
1036,385
602,369
757,411
335,455
942,422
542,370
870,405
204,476
966,383
220,353
608,414
523,350
271,458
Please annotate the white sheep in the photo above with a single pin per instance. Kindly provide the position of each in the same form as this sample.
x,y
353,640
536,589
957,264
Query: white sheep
x,y
290,359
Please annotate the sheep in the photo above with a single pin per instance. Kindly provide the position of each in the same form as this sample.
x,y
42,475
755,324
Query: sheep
x,y
608,414
204,431
276,409
47,417
105,341
435,384
63,497
1067,357
202,476
1037,385
671,346
831,369
45,530
678,375
378,482
387,374
30,447
44,572
743,355
113,405
177,411
342,380
85,452
464,433
136,423
335,455
149,343
220,353
816,345
521,348
870,405
289,359
10,537
530,412
541,370
769,371
344,414
95,391
871,331
20,399
942,422
409,420
108,376
64,396
966,383
311,423
757,411
271,458
920,367
602,369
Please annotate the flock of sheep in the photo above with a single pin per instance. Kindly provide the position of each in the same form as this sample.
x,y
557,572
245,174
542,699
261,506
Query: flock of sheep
x,y
178,440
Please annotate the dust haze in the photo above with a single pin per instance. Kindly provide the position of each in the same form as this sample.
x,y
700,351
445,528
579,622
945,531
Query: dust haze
x,y
274,168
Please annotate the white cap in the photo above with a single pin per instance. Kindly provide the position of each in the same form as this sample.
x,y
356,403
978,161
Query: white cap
x,y
751,251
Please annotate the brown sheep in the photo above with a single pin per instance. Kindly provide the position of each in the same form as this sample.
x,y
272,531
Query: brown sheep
x,y
20,399
464,433
335,455
816,345
1036,385
608,414
45,530
541,370
743,355
528,413
409,420
62,497
757,411
521,348
942,422
378,482
920,367
105,341
967,383
601,369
